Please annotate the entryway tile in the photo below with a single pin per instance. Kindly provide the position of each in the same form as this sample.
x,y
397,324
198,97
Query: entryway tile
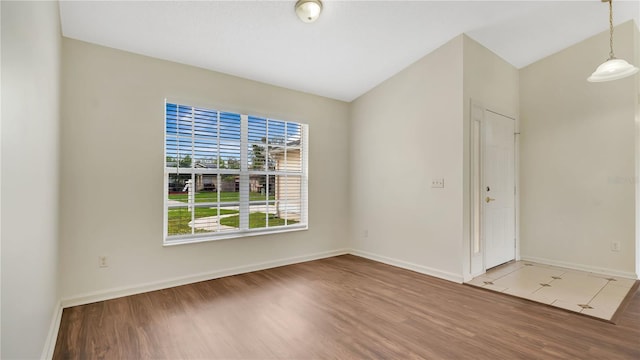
x,y
541,298
574,288
505,269
609,297
615,280
601,312
584,292
567,305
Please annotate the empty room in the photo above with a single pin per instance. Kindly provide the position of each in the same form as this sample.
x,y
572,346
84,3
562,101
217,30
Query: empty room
x,y
320,179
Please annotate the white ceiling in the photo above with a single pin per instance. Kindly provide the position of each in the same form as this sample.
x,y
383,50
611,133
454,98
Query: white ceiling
x,y
351,48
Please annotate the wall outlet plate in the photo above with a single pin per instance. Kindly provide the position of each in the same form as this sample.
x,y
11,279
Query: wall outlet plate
x,y
615,246
102,262
437,183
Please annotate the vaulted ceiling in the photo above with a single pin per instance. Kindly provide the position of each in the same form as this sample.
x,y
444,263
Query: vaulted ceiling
x,y
351,48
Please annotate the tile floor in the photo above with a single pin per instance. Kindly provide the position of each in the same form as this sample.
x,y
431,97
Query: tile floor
x,y
584,292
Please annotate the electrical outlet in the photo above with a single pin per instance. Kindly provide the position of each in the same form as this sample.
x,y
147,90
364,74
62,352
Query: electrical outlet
x,y
365,233
437,183
615,246
102,262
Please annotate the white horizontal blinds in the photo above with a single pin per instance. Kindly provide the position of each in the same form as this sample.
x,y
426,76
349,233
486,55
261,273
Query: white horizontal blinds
x,y
261,195
178,160
230,140
178,136
205,139
229,173
192,152
206,171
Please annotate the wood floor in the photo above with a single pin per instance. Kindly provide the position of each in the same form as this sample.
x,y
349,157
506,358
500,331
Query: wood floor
x,y
344,307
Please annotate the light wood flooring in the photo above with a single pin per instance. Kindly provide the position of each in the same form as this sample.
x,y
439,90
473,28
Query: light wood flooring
x,y
344,307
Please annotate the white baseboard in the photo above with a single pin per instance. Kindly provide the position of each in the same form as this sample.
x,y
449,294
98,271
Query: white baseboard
x,y
49,347
52,336
593,269
184,280
409,266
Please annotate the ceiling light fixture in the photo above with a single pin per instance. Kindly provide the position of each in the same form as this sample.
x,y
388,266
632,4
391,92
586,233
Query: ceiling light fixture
x,y
308,10
612,69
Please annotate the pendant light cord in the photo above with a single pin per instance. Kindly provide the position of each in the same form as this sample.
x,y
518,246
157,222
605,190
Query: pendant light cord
x,y
611,55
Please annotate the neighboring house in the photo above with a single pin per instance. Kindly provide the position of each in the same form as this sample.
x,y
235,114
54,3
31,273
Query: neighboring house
x,y
204,182
288,187
207,182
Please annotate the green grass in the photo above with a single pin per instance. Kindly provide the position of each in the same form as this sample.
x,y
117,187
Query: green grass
x,y
179,219
225,196
256,220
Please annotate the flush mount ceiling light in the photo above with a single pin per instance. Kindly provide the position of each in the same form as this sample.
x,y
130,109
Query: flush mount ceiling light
x,y
308,10
612,69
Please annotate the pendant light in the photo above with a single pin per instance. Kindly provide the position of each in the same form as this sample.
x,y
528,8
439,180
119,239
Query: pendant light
x,y
612,69
308,10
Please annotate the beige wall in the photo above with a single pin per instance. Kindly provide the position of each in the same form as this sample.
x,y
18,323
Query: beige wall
x,y
489,79
492,83
112,158
407,131
578,158
30,123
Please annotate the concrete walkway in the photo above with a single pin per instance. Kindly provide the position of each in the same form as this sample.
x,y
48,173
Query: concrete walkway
x,y
210,223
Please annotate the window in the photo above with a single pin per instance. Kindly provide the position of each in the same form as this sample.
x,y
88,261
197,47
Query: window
x,y
232,175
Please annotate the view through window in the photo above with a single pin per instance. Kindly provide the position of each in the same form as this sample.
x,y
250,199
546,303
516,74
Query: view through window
x,y
230,175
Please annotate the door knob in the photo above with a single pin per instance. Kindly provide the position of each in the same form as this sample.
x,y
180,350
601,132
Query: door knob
x,y
488,199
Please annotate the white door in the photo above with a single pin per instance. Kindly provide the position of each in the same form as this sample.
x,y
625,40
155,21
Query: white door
x,y
498,189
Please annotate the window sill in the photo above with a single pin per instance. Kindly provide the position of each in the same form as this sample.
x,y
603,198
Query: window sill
x,y
235,235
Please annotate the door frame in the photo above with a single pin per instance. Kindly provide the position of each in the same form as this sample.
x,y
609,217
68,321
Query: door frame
x,y
476,244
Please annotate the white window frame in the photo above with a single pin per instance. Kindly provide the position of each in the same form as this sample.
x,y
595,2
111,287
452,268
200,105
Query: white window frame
x,y
244,175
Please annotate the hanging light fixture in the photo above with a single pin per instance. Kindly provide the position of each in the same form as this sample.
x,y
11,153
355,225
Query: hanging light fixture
x,y
308,10
612,69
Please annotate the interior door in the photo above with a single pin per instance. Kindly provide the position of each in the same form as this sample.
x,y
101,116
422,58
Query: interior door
x,y
498,188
